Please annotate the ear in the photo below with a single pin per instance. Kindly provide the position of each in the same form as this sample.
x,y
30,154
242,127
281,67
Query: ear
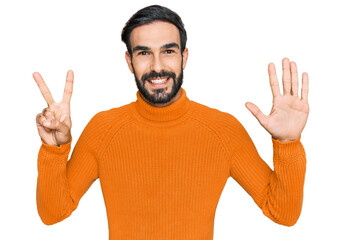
x,y
185,57
129,61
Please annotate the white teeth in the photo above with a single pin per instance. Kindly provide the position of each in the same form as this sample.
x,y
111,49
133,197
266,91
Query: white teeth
x,y
158,81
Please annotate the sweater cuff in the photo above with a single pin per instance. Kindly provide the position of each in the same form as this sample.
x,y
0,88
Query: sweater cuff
x,y
50,154
287,152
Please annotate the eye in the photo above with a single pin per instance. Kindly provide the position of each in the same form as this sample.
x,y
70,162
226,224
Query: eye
x,y
169,51
143,53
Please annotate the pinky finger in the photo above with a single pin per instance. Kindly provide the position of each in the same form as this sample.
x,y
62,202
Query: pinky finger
x,y
305,87
40,119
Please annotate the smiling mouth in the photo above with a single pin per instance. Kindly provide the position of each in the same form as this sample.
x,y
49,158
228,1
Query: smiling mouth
x,y
159,81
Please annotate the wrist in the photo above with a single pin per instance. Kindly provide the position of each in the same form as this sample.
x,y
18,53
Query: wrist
x,y
285,140
287,153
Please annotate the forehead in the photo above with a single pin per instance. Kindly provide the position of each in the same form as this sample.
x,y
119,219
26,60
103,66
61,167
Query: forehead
x,y
154,34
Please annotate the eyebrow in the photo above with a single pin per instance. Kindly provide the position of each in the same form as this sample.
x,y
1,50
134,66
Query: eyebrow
x,y
144,48
138,48
170,45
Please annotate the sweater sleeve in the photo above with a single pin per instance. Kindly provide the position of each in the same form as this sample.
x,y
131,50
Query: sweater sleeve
x,y
278,192
62,183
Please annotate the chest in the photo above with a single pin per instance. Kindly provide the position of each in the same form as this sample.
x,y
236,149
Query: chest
x,y
173,163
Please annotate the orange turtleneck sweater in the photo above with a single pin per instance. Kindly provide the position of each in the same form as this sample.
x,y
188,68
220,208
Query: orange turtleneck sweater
x,y
162,171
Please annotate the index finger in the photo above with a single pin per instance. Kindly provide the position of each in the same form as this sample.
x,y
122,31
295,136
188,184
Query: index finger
x,y
43,88
68,86
273,80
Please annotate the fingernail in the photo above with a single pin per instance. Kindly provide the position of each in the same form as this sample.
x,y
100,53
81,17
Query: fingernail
x,y
46,123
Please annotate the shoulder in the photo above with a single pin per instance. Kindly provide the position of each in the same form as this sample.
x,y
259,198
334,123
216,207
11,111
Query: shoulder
x,y
113,117
102,126
223,124
214,116
105,120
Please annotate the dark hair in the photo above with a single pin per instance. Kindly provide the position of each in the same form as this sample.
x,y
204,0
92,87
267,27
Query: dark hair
x,y
151,14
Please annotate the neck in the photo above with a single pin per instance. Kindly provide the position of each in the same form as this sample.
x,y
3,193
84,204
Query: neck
x,y
176,110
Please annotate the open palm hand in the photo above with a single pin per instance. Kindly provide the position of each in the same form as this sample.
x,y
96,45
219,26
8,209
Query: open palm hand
x,y
289,113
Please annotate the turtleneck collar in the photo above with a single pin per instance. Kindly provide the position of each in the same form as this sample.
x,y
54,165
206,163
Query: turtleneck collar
x,y
168,113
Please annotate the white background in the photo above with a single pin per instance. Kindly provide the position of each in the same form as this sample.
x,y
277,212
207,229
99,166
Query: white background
x,y
230,45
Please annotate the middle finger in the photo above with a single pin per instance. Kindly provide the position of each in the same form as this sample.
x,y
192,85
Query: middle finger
x,y
286,76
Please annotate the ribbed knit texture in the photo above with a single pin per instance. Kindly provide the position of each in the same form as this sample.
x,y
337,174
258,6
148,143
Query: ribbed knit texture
x,y
162,171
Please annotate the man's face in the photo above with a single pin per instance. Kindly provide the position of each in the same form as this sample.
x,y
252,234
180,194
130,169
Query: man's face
x,y
156,61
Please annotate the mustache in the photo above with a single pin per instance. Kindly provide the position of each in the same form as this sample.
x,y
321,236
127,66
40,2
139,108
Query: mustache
x,y
154,74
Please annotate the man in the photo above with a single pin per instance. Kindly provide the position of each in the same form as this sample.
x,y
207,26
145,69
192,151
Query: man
x,y
163,160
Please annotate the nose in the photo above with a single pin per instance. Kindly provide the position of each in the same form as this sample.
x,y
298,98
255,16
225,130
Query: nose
x,y
156,64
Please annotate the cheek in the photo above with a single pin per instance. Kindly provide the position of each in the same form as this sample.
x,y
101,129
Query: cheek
x,y
140,67
174,64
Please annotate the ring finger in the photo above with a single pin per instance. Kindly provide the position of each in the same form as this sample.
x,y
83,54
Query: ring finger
x,y
48,113
40,119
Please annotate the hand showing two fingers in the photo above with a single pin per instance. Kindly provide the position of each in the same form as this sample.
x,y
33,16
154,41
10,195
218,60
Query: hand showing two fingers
x,y
54,123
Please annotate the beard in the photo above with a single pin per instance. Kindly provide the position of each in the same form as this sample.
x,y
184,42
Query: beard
x,y
159,95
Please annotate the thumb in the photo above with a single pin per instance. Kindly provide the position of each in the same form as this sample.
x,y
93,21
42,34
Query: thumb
x,y
257,113
54,124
